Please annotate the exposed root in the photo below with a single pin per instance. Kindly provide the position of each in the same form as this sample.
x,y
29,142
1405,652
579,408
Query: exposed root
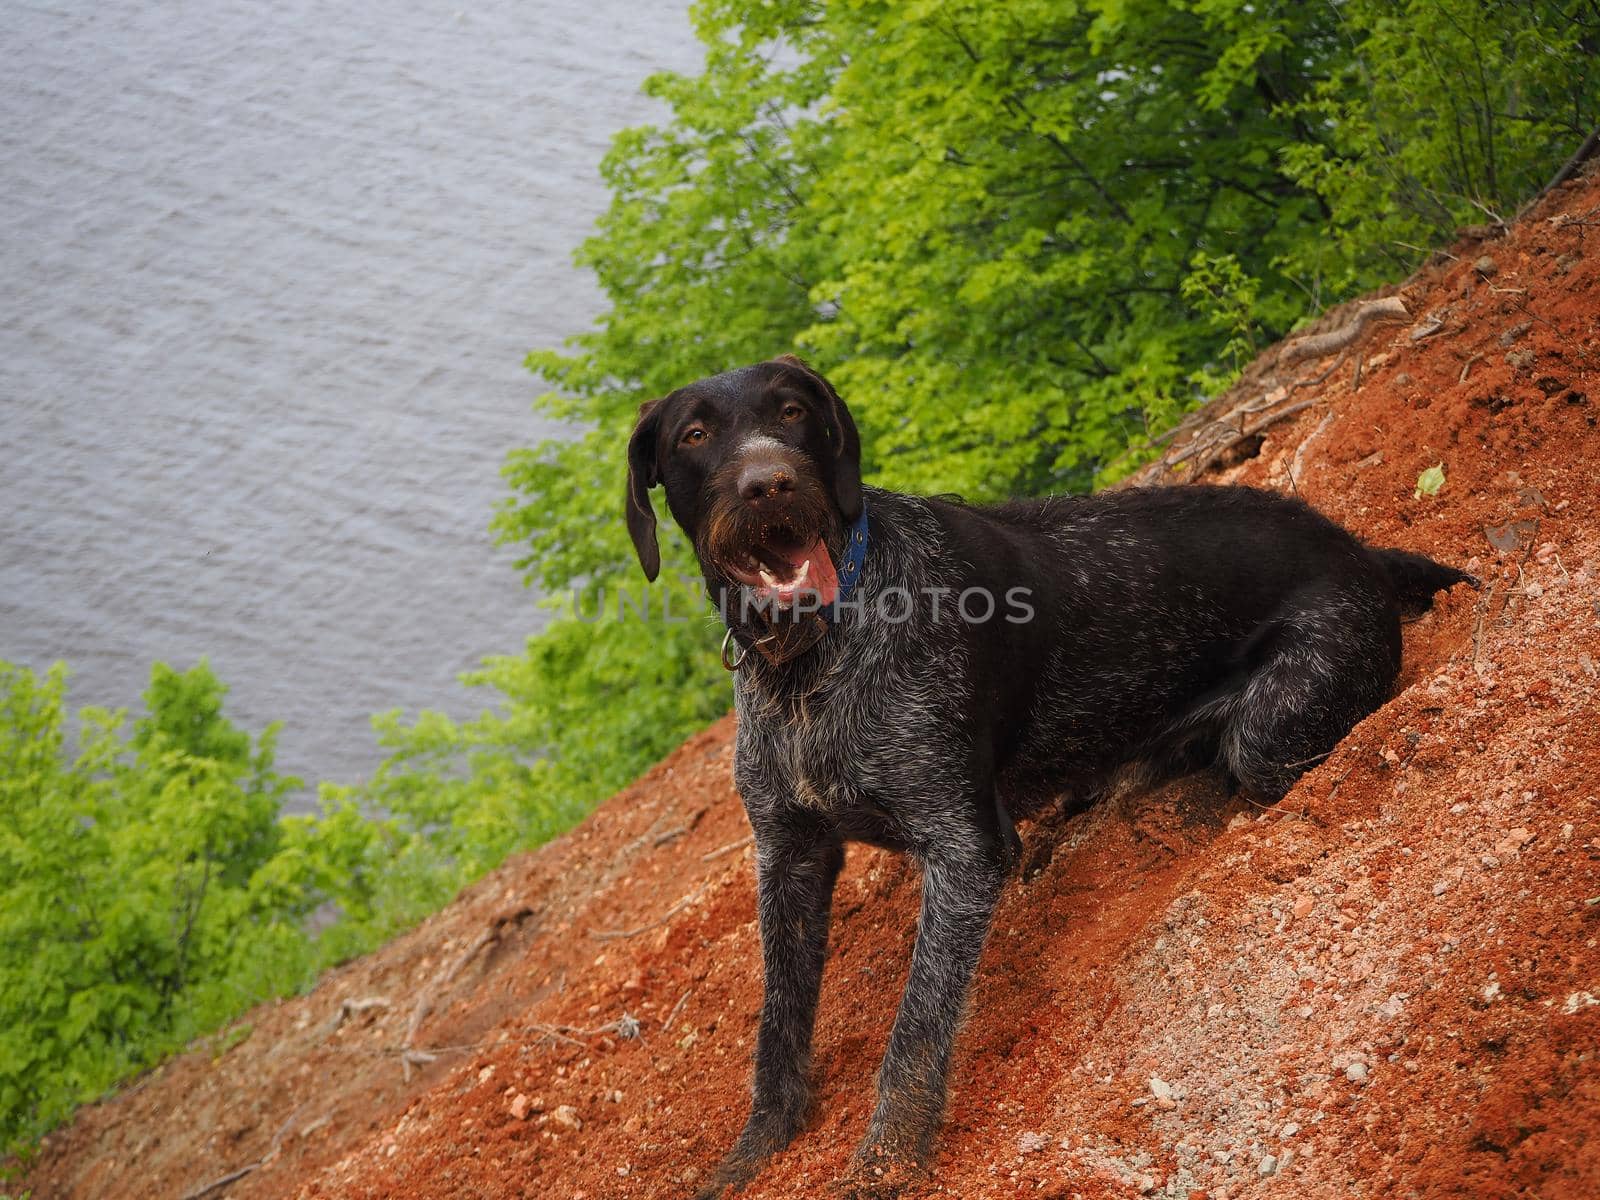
x,y
223,1181
1297,466
347,1009
728,849
489,937
1390,308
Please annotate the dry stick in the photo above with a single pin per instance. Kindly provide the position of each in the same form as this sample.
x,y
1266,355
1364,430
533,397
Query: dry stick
x,y
223,1181
729,848
1297,466
1434,324
607,935
1466,368
1218,450
554,1034
1483,611
1355,380
1338,783
1585,151
671,835
424,1003
220,1182
410,1058
347,1009
1313,380
1389,308
672,1016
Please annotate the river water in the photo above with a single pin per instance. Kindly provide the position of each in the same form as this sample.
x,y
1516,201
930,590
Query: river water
x,y
269,274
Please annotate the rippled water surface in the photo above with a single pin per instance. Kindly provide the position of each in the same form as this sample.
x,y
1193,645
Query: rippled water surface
x,y
270,271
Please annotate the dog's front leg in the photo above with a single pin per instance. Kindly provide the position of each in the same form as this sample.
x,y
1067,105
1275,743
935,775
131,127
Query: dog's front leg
x,y
797,862
960,887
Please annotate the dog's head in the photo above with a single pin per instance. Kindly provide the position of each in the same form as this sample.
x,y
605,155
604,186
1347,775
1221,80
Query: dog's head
x,y
762,469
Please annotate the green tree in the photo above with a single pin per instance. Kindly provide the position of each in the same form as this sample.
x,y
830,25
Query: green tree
x,y
1022,237
150,889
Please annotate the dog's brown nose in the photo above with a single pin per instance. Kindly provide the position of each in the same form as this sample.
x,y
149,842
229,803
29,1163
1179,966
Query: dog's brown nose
x,y
765,480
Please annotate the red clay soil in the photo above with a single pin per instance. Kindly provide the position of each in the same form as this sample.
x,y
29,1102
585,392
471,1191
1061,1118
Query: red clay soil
x,y
1389,985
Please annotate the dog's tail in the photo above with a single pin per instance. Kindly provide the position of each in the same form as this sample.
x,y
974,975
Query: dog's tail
x,y
1416,577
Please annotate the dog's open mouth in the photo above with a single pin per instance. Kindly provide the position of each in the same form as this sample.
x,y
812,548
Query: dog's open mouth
x,y
783,570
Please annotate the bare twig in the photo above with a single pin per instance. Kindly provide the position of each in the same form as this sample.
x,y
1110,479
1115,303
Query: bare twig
x,y
1296,467
1466,368
607,935
672,1016
1220,446
728,849
671,835
1433,323
626,1027
494,933
1585,151
1477,630
410,1057
553,1033
347,1009
220,1182
223,1181
1313,380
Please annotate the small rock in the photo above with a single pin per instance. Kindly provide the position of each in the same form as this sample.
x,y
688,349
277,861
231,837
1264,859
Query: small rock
x,y
521,1106
1166,1103
1032,1143
1356,1072
1520,360
1267,1166
1303,907
1486,266
1441,887
1147,1184
1160,1088
486,1073
1289,1130
1513,335
568,1116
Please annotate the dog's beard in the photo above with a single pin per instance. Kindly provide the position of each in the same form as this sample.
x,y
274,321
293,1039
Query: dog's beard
x,y
783,562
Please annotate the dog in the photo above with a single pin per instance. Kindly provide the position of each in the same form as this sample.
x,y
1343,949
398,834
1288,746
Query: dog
x,y
918,674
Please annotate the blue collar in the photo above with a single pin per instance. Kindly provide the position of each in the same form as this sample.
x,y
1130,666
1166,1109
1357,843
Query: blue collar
x,y
855,554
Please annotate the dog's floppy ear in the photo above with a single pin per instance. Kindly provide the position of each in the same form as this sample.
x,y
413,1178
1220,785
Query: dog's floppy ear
x,y
642,476
841,433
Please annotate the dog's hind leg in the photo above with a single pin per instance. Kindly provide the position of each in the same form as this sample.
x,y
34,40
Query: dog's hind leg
x,y
798,859
1326,662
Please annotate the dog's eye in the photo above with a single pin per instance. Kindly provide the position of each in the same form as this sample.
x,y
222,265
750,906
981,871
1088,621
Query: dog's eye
x,y
693,435
792,411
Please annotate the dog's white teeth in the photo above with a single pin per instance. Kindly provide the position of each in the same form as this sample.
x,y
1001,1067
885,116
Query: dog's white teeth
x,y
768,578
803,573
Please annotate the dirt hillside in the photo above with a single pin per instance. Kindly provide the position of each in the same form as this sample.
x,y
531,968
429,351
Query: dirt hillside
x,y
1389,985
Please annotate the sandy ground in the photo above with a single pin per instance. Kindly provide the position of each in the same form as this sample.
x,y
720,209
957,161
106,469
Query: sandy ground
x,y
1386,986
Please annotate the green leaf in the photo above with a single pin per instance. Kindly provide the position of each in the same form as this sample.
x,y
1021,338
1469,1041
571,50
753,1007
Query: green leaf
x,y
1429,482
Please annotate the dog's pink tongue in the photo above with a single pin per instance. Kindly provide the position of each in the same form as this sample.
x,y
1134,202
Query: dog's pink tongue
x,y
822,580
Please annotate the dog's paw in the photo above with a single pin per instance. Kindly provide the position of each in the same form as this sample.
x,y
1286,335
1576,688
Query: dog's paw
x,y
876,1174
